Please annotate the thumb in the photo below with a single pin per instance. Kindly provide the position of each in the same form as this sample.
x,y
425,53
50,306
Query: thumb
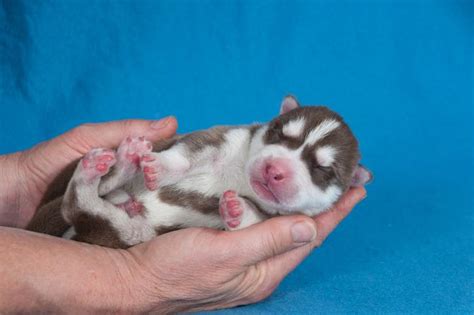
x,y
110,134
50,158
272,237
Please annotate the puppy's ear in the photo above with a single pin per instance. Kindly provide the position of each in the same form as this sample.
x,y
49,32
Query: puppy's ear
x,y
288,103
362,176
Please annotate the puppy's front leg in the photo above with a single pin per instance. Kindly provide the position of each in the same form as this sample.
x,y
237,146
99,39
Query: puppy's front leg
x,y
238,212
165,167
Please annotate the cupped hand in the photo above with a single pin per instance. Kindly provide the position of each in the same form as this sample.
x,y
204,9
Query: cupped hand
x,y
203,269
187,270
28,176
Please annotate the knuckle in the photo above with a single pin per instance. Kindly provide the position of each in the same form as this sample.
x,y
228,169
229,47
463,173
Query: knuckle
x,y
127,126
273,243
76,131
77,139
82,130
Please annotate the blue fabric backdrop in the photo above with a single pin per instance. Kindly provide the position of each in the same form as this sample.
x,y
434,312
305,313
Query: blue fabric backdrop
x,y
400,72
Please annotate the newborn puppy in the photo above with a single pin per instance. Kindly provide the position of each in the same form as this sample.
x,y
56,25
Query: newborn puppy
x,y
223,178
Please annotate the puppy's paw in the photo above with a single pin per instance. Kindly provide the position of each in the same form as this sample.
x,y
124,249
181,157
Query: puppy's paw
x,y
163,168
132,207
96,163
151,167
131,151
231,209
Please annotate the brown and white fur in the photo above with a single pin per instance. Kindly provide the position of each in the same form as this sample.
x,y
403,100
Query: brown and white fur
x,y
223,178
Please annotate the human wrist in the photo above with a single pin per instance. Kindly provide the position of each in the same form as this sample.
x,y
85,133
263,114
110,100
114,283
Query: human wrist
x,y
48,274
118,285
123,283
146,290
107,290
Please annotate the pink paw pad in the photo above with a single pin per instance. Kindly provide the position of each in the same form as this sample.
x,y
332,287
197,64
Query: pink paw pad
x,y
231,209
97,162
133,148
132,207
150,166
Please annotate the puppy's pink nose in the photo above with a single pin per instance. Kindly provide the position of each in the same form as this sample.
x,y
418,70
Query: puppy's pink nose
x,y
274,173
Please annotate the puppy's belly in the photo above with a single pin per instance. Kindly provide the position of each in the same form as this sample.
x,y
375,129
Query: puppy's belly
x,y
163,214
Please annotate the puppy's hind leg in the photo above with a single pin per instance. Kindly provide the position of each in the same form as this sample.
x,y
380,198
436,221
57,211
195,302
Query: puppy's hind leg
x,y
97,220
129,155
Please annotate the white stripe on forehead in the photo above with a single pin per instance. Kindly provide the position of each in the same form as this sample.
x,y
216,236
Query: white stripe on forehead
x,y
321,131
325,155
294,128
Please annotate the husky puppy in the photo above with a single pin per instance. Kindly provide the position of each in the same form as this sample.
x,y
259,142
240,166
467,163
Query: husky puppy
x,y
224,177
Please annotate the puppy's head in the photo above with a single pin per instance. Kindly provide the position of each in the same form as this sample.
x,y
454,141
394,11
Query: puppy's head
x,y
303,160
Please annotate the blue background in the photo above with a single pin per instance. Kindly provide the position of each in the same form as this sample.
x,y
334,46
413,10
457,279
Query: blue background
x,y
400,72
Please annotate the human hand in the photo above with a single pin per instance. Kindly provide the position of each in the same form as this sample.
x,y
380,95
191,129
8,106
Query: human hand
x,y
28,176
203,269
187,270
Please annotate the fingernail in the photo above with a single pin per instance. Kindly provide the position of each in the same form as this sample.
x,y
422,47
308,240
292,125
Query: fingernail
x,y
303,232
160,124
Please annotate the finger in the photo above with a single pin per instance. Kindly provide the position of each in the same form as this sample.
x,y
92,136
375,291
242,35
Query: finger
x,y
51,157
110,134
326,222
270,238
274,237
